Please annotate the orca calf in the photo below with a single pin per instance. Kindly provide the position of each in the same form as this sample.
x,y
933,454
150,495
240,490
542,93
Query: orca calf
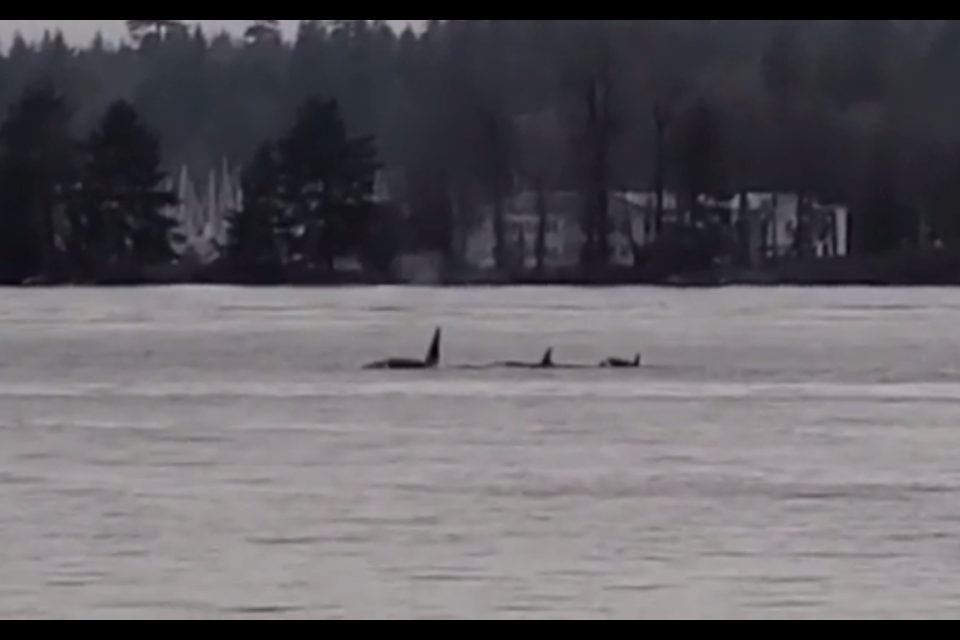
x,y
432,361
619,363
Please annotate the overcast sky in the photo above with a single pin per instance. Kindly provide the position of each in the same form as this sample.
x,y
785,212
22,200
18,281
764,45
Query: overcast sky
x,y
82,30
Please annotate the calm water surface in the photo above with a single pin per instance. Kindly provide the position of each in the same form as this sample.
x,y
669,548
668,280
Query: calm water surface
x,y
217,453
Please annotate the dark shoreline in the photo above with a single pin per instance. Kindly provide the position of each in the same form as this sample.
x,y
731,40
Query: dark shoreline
x,y
474,284
909,269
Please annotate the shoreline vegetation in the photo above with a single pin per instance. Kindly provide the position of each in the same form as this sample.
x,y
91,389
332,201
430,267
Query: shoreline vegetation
x,y
936,268
369,155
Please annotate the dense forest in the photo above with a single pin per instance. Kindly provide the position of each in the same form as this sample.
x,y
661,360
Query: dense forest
x,y
461,112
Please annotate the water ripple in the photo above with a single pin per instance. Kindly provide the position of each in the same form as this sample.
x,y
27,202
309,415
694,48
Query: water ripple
x,y
287,542
262,610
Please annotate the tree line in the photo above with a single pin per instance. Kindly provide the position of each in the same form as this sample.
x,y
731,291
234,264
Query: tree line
x,y
463,113
96,209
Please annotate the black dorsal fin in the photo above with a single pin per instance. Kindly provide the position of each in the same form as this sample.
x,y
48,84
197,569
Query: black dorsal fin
x,y
547,358
433,355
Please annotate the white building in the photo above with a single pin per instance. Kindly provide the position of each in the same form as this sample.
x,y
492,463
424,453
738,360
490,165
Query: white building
x,y
560,212
770,221
773,222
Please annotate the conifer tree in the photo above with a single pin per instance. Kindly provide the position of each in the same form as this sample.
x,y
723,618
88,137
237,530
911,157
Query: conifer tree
x,y
328,180
123,195
37,169
252,247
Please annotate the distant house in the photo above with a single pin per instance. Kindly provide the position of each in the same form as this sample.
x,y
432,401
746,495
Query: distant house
x,y
771,222
767,223
560,214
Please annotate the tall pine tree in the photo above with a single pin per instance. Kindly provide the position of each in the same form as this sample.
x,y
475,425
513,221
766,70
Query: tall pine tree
x,y
327,185
37,154
123,198
252,251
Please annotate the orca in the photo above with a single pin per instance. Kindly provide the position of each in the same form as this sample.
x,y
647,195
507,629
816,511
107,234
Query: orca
x,y
546,363
619,363
432,361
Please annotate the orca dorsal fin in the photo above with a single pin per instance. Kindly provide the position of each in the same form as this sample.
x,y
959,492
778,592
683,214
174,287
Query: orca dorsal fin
x,y
433,355
638,361
547,358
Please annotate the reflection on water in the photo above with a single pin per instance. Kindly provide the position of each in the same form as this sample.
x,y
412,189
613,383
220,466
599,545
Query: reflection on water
x,y
218,453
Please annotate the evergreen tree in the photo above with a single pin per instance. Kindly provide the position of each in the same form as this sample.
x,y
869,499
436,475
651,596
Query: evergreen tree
x,y
252,249
783,67
122,195
37,168
327,185
698,155
859,67
885,223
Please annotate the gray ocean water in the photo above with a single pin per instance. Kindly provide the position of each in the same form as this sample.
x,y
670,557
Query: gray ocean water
x,y
217,453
